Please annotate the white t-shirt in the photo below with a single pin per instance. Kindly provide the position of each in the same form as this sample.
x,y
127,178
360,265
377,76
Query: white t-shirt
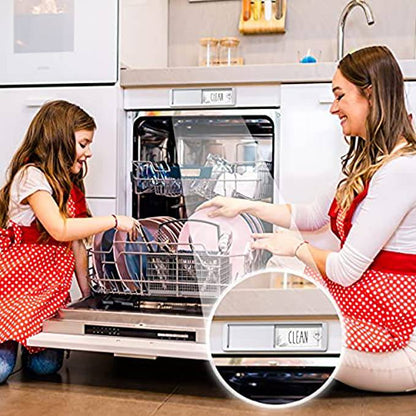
x,y
26,182
385,219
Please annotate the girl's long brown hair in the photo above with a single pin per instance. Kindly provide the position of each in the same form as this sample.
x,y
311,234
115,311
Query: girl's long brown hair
x,y
387,122
49,144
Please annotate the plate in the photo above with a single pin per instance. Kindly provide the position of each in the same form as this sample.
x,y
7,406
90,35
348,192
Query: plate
x,y
96,244
202,232
111,275
136,257
256,227
168,231
97,258
152,224
119,245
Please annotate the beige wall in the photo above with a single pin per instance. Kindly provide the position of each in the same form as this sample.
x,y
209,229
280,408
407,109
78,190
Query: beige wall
x,y
144,33
310,24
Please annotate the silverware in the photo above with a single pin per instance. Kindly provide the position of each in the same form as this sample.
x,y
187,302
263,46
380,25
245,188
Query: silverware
x,y
224,243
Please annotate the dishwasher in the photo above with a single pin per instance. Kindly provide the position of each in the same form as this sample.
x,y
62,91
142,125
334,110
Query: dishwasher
x,y
152,297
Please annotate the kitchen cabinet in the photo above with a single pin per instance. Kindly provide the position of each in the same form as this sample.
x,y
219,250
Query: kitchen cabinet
x,y
410,88
19,105
311,145
102,206
311,142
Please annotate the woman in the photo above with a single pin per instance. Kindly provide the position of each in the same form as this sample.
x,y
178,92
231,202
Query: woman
x,y
43,221
373,213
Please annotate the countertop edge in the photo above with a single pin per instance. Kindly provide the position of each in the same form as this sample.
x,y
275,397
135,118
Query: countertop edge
x,y
245,74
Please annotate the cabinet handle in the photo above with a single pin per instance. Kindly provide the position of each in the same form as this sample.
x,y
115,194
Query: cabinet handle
x,y
326,100
36,102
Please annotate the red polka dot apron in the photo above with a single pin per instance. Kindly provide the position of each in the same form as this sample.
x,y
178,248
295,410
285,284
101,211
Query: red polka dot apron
x,y
35,277
379,310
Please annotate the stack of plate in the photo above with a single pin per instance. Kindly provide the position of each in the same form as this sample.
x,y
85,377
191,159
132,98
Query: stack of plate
x,y
120,264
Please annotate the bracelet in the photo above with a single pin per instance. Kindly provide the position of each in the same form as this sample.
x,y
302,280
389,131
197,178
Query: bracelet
x,y
299,246
115,220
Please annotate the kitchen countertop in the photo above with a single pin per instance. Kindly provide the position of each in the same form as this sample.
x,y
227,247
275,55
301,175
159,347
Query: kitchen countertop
x,y
245,74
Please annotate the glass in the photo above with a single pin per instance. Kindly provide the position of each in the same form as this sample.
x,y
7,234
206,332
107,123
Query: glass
x,y
229,51
208,52
309,57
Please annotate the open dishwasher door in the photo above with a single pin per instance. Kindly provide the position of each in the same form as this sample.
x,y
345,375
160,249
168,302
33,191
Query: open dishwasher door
x,y
91,325
275,338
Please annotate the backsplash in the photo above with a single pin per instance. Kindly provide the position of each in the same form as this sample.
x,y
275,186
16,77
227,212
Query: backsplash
x,y
310,24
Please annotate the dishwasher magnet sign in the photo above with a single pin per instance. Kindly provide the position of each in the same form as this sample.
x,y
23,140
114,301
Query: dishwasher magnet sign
x,y
299,337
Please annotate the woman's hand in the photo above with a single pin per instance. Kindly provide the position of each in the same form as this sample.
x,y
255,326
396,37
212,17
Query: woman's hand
x,y
226,206
280,243
129,225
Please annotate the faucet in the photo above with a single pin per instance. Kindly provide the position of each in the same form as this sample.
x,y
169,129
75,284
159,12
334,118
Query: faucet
x,y
341,24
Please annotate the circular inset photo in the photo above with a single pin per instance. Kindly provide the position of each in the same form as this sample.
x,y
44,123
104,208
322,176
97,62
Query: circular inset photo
x,y
275,339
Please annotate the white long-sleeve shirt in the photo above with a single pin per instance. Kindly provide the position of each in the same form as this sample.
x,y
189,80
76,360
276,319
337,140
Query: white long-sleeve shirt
x,y
384,220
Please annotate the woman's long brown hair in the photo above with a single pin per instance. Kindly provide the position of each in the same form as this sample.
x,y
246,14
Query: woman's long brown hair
x,y
387,122
49,144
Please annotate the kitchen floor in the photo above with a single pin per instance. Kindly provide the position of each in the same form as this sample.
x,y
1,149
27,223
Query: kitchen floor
x,y
99,384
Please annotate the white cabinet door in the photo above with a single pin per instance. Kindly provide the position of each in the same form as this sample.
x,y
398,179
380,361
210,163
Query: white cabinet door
x,y
411,99
19,105
102,206
311,146
311,142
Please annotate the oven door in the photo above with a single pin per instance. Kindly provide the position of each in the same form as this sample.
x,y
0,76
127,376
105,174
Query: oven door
x,y
52,42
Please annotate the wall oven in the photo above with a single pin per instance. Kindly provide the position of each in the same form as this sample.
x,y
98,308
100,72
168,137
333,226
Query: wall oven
x,y
51,42
151,297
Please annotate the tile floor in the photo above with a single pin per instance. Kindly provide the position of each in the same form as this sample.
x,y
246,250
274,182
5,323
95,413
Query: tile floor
x,y
101,385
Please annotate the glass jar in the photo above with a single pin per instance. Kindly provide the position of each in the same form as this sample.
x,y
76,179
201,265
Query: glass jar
x,y
208,52
229,51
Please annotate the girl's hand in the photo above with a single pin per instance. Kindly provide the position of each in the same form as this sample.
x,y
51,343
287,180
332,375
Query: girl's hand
x,y
129,225
226,206
280,243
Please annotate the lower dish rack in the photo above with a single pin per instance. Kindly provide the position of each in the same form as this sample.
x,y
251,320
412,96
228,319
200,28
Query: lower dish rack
x,y
170,270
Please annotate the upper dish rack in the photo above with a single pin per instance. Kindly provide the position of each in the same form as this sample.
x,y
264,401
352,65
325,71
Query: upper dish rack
x,y
251,180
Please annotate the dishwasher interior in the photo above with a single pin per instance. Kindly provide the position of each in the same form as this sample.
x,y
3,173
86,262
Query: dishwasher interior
x,y
150,297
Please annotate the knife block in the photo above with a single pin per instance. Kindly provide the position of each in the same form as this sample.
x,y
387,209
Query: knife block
x,y
261,25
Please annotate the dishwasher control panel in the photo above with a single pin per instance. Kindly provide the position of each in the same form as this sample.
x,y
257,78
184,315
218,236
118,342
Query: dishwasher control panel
x,y
116,331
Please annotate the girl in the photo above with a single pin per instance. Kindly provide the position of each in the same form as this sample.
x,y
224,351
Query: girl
x,y
43,220
372,211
